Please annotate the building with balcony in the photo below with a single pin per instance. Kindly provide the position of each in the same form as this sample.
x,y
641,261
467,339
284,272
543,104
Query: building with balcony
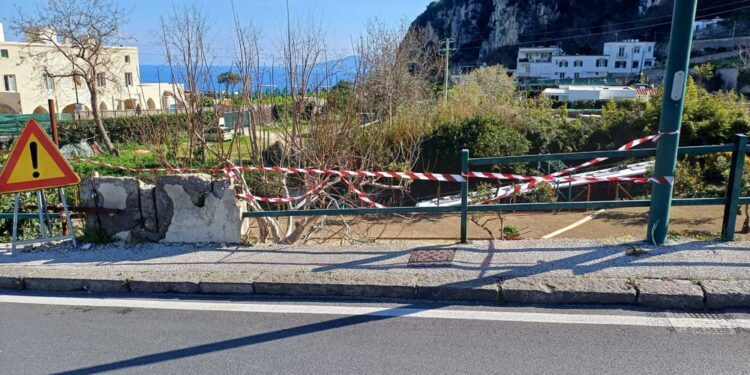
x,y
25,88
629,57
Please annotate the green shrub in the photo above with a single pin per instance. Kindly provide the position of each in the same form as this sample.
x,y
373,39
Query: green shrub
x,y
541,193
511,232
483,136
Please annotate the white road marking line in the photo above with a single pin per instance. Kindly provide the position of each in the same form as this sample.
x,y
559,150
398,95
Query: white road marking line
x,y
571,226
267,308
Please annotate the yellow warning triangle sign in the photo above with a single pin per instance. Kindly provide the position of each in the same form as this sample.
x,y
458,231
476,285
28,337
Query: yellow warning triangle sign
x,y
35,163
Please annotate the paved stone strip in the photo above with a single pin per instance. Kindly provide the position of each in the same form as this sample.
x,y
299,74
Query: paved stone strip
x,y
674,294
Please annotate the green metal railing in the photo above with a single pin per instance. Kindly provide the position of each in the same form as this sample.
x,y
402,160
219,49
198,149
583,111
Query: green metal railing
x,y
731,201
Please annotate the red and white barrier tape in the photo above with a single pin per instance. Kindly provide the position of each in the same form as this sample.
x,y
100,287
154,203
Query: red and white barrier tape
x,y
312,191
362,196
553,177
427,176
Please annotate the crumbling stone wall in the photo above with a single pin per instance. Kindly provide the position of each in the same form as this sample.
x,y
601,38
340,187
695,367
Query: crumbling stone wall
x,y
186,208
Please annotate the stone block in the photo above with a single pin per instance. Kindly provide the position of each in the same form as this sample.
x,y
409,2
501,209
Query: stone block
x,y
573,290
57,284
132,198
195,208
725,294
311,284
676,294
218,287
106,285
10,282
469,292
163,286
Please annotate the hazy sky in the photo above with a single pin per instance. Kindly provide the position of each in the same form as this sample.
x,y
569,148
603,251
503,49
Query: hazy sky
x,y
342,20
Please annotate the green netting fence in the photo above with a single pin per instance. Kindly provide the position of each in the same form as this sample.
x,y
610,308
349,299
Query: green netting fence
x,y
11,125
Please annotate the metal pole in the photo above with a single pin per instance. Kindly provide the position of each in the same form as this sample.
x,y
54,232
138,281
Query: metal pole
x,y
67,218
464,195
42,210
734,187
16,202
53,121
673,102
447,66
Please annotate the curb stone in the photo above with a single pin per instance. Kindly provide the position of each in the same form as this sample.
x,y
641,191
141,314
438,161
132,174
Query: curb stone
x,y
680,294
321,289
676,294
56,284
724,294
216,287
154,286
567,291
479,293
314,284
10,282
106,286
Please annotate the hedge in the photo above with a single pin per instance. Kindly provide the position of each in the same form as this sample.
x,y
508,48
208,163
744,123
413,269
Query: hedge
x,y
120,129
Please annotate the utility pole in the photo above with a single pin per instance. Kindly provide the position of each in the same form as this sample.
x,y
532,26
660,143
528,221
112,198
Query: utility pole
x,y
680,40
447,52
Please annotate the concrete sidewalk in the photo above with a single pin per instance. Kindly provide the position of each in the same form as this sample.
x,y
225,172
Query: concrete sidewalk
x,y
684,274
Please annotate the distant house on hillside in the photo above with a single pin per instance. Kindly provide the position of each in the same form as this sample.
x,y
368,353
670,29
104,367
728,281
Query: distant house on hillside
x,y
574,93
702,26
628,57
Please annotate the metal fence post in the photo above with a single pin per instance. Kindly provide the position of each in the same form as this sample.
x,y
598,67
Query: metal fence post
x,y
676,77
734,187
464,195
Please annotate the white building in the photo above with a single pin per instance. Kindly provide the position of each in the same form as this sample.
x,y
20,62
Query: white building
x,y
573,93
25,88
624,58
700,26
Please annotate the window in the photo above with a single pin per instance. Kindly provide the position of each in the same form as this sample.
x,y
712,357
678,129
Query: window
x,y
49,82
578,63
9,81
128,79
647,63
576,75
635,64
636,50
649,48
561,75
621,52
127,59
621,64
4,53
601,63
562,64
101,80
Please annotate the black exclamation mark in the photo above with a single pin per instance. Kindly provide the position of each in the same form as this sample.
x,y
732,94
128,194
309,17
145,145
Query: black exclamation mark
x,y
34,161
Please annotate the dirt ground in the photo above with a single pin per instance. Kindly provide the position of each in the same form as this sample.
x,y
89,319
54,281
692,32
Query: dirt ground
x,y
700,221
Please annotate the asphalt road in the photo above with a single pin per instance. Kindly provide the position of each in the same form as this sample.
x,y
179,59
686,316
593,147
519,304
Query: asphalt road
x,y
49,334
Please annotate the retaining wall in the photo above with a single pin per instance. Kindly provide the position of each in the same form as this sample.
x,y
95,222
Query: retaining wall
x,y
189,208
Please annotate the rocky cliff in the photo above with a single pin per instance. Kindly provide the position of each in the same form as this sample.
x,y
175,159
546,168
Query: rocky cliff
x,y
491,31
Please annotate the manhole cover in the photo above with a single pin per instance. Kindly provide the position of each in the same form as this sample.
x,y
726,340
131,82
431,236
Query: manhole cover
x,y
431,258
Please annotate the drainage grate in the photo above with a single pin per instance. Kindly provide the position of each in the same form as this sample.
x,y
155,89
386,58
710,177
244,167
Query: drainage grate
x,y
431,258
717,324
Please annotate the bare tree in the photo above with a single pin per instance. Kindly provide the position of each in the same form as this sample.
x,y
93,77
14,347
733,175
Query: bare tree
x,y
185,37
82,33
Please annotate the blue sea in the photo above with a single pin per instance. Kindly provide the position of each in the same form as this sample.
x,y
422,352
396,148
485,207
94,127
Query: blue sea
x,y
275,82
